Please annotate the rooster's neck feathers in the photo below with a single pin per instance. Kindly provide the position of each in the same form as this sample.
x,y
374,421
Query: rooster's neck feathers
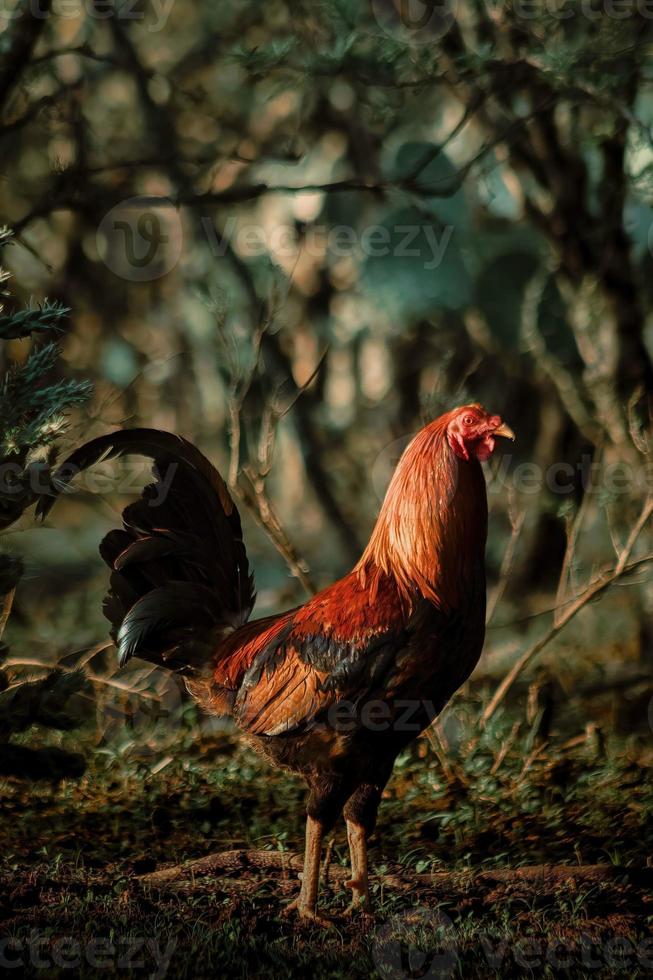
x,y
431,530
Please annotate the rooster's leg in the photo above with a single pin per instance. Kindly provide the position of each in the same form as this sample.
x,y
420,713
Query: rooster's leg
x,y
359,882
306,901
360,814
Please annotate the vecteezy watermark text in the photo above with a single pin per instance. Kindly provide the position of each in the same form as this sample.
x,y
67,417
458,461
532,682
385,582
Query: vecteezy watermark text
x,y
140,240
14,480
44,952
561,478
420,241
416,22
153,15
424,943
377,715
530,953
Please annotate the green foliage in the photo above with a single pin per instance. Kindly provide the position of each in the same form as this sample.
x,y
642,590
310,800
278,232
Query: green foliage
x,y
261,59
33,403
32,406
421,269
42,319
31,414
500,291
426,169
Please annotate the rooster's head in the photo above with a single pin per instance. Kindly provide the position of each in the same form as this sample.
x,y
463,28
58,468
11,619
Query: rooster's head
x,y
472,431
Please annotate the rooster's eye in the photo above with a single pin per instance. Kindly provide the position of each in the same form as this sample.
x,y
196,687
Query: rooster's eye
x,y
468,420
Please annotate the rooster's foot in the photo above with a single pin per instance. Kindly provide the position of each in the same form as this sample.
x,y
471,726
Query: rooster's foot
x,y
360,899
306,913
361,913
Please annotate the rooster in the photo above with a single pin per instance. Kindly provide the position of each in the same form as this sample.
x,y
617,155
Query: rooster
x,y
333,689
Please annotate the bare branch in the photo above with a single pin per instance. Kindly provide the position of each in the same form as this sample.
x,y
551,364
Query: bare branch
x,y
248,482
517,523
11,571
258,503
565,383
564,580
560,619
18,43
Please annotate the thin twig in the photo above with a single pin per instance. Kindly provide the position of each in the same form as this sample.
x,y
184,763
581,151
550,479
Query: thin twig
x,y
570,551
5,612
517,523
505,748
248,482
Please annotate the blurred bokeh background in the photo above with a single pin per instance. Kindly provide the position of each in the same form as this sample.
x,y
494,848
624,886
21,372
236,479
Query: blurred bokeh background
x,y
293,233
331,222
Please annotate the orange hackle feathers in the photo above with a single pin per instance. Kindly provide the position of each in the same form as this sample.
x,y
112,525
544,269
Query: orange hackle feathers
x,y
432,525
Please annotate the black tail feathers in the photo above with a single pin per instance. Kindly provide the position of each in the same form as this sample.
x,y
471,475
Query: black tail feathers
x,y
179,569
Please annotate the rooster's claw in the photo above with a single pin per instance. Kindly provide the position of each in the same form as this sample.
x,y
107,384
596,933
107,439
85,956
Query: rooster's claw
x,y
306,913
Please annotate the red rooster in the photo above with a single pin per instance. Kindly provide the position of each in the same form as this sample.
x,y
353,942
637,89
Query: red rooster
x,y
333,689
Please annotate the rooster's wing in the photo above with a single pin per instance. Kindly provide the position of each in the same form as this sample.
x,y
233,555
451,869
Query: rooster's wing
x,y
333,653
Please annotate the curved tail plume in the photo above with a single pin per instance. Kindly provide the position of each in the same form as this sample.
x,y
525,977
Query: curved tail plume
x,y
179,572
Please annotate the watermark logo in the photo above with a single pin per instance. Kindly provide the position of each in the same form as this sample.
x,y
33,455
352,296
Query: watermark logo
x,y
414,21
140,241
419,943
141,700
118,954
378,715
559,478
152,16
426,243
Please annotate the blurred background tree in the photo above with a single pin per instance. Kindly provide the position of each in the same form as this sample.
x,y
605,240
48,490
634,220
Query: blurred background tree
x,y
432,204
33,409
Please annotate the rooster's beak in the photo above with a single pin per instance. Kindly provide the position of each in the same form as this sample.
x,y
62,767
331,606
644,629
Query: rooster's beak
x,y
504,430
